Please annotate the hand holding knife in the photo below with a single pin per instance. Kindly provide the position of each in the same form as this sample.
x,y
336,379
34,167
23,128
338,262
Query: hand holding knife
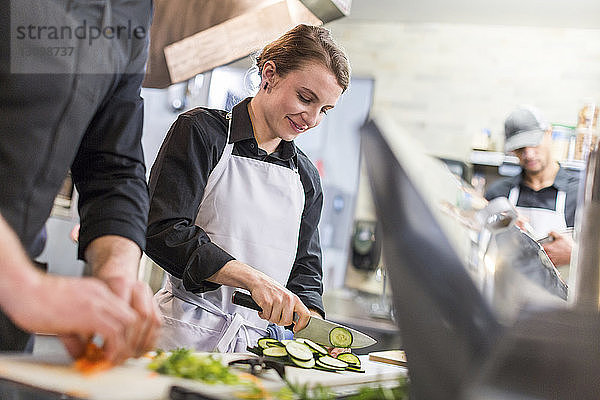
x,y
318,330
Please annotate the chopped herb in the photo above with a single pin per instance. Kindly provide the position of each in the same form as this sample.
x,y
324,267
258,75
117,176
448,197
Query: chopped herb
x,y
184,364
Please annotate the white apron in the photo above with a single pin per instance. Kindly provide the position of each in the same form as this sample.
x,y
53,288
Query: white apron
x,y
251,209
543,220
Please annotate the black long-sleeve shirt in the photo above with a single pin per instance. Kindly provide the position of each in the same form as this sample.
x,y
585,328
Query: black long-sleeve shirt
x,y
89,122
190,152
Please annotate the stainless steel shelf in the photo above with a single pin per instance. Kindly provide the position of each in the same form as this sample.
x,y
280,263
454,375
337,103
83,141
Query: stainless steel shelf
x,y
496,159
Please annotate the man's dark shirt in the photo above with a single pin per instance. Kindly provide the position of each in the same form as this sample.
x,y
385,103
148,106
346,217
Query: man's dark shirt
x,y
89,123
566,180
189,153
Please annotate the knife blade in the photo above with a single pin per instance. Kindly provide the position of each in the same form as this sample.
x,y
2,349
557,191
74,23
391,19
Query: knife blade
x,y
317,330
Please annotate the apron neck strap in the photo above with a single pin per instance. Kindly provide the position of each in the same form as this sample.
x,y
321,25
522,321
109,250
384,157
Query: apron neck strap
x,y
561,202
228,117
513,196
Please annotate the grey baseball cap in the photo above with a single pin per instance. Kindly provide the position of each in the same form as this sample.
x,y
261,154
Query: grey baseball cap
x,y
524,127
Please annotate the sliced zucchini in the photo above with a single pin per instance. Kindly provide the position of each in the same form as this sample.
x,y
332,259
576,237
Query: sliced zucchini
x,y
324,367
285,341
255,350
267,342
275,351
327,367
314,346
299,351
355,369
340,337
350,358
303,364
333,362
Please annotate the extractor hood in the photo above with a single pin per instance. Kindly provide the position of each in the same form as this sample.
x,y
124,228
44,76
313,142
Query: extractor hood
x,y
189,37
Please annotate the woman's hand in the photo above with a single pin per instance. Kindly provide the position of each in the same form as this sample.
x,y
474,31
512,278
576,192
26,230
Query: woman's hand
x,y
278,303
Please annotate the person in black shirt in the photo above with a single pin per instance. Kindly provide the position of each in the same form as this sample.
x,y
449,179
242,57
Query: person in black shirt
x,y
545,194
80,110
235,204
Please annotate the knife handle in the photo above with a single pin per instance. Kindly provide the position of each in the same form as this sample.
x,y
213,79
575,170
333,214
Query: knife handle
x,y
245,300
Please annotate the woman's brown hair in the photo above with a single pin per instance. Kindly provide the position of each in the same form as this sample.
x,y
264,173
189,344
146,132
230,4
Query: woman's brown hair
x,y
302,44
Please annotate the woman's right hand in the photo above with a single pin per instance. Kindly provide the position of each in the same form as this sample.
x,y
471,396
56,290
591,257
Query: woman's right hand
x,y
76,309
278,303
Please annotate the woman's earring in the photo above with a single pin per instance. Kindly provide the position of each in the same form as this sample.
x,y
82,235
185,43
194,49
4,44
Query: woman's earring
x,y
265,87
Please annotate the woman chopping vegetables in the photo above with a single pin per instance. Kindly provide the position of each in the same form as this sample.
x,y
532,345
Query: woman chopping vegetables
x,y
235,204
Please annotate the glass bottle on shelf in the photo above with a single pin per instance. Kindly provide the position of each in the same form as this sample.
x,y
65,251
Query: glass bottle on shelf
x,y
586,131
561,135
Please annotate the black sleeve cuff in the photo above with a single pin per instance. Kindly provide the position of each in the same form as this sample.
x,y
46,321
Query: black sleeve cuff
x,y
126,229
312,300
205,262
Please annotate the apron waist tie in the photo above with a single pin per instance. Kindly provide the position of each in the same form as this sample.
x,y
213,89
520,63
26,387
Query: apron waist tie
x,y
231,332
234,322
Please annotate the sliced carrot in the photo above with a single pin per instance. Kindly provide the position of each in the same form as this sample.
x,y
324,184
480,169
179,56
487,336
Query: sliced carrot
x,y
93,360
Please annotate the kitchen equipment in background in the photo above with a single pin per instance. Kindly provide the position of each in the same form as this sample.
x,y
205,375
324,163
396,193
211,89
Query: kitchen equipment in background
x,y
318,330
453,331
178,96
366,255
223,31
585,262
328,10
458,168
382,308
445,324
366,249
234,38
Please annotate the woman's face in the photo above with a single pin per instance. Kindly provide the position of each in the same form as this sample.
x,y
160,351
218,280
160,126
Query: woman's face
x,y
299,100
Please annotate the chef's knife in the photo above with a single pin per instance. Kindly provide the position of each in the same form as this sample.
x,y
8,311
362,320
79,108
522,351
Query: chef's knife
x,y
317,329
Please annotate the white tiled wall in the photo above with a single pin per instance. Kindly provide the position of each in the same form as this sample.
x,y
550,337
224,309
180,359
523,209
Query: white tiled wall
x,y
445,83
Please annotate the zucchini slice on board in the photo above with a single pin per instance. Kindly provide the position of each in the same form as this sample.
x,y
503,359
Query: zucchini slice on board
x,y
340,337
303,364
313,346
333,362
275,351
299,351
355,369
349,358
323,367
268,342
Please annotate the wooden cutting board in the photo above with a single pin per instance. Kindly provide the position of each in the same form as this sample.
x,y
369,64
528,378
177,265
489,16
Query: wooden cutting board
x,y
132,381
395,357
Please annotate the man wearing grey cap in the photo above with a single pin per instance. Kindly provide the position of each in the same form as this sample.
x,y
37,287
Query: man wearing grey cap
x,y
544,194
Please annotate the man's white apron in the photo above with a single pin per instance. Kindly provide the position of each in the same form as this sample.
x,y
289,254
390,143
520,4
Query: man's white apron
x,y
542,220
